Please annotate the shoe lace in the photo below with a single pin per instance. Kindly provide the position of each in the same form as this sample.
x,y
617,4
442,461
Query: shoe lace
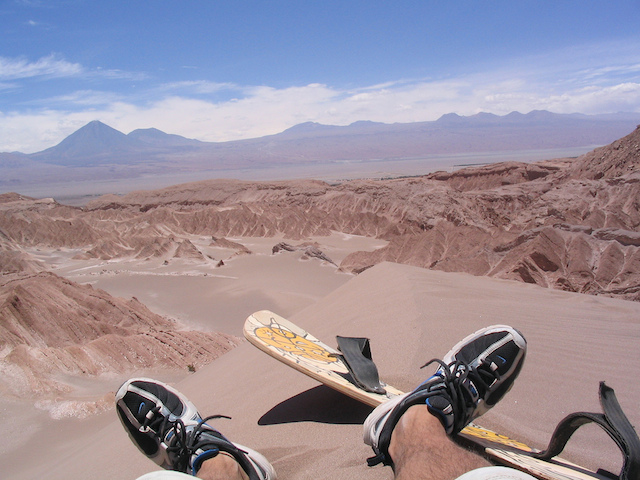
x,y
185,443
188,443
153,421
462,394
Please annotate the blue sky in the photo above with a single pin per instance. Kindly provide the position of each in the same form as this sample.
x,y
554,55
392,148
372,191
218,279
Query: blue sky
x,y
225,70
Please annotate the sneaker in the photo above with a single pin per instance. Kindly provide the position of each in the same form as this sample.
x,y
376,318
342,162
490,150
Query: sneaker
x,y
167,428
471,379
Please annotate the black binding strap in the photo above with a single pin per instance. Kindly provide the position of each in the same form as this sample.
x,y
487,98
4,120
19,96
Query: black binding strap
x,y
613,421
356,355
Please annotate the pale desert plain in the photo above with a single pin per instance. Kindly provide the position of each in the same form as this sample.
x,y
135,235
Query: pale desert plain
x,y
411,314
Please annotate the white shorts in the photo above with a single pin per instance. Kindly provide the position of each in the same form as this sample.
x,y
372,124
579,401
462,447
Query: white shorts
x,y
484,473
165,475
496,473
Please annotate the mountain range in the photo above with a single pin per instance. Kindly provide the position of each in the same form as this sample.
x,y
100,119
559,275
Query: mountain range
x,y
98,151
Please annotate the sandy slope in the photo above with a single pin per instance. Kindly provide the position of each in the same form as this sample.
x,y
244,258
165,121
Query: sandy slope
x,y
211,298
411,315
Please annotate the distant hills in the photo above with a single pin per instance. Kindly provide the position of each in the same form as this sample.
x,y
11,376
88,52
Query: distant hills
x,y
93,141
99,151
153,136
97,143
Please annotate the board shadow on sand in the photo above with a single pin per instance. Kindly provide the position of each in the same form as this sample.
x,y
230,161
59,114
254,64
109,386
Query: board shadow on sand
x,y
319,404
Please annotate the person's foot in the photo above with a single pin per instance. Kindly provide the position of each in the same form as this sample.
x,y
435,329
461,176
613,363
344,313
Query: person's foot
x,y
167,428
470,380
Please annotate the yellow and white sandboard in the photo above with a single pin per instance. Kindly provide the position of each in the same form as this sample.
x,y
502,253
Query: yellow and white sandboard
x,y
297,348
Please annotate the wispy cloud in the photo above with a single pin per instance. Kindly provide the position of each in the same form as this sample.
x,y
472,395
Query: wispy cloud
x,y
50,66
87,98
115,74
7,86
29,3
198,87
54,66
606,72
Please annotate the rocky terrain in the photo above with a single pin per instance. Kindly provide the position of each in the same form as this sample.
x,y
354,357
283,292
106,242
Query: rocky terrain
x,y
569,224
309,251
51,327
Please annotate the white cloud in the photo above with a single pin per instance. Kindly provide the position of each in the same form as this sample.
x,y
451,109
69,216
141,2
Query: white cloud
x,y
32,132
590,100
52,66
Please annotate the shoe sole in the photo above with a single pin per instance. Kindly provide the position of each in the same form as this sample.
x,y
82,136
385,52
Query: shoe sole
x,y
374,419
260,463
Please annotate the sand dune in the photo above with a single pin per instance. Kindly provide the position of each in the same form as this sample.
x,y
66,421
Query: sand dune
x,y
411,315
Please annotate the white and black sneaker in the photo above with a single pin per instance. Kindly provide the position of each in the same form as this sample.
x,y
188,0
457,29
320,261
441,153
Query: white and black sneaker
x,y
167,428
475,374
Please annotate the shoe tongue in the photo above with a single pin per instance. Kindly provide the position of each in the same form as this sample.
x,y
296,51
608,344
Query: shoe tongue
x,y
439,402
440,407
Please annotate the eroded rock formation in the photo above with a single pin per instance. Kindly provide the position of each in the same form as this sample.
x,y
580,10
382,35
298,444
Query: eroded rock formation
x,y
571,223
51,327
308,250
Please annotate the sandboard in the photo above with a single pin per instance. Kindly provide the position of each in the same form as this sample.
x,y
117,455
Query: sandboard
x,y
300,350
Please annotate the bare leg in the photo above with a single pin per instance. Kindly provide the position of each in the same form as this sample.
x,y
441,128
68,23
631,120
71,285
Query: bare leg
x,y
421,449
221,467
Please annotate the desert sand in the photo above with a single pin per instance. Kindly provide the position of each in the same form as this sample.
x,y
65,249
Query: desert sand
x,y
158,283
410,314
210,298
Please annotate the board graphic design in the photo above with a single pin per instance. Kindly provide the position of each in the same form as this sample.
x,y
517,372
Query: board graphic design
x,y
300,350
283,340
